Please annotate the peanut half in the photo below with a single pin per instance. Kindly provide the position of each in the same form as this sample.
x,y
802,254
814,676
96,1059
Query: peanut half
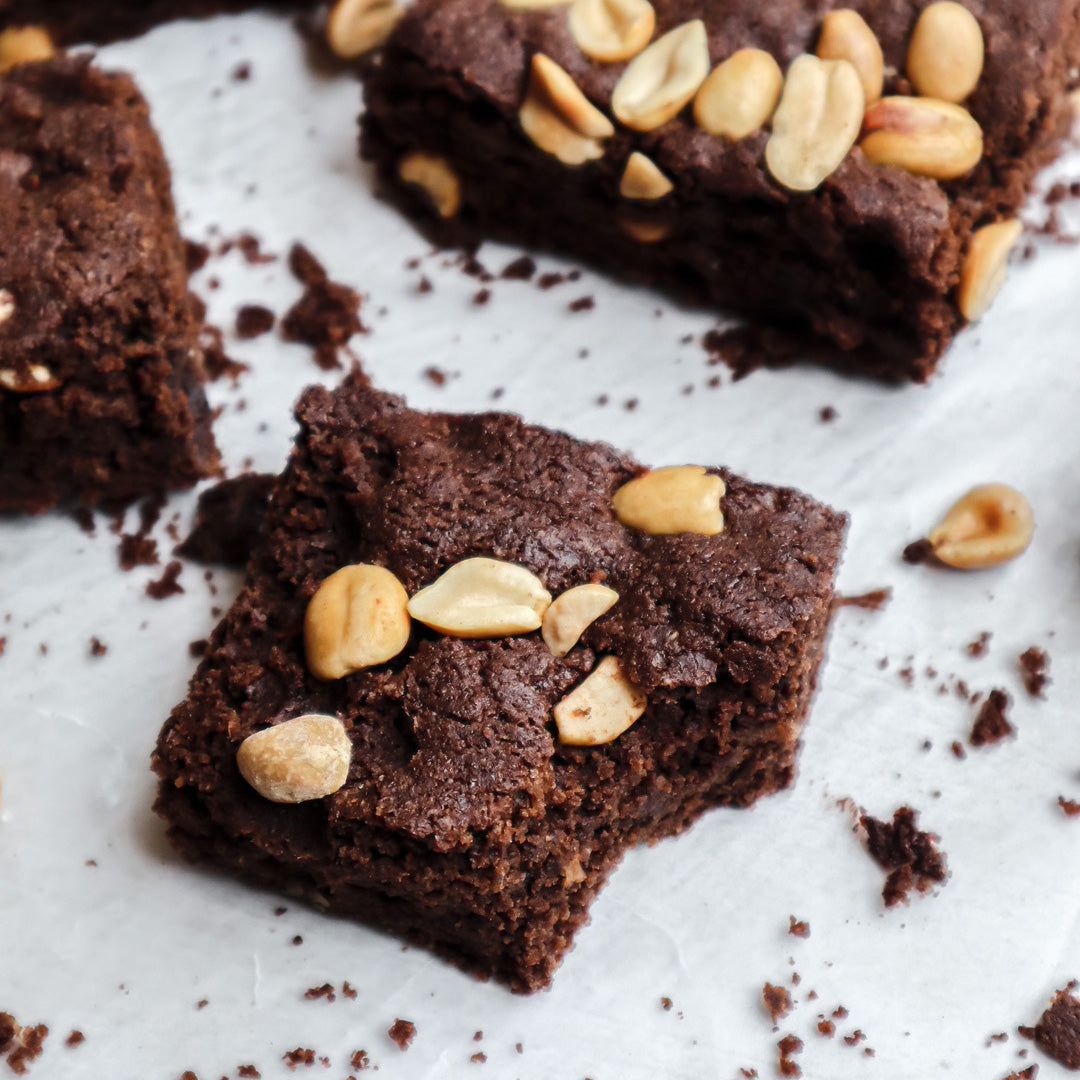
x,y
356,619
572,613
816,122
945,56
355,27
480,597
674,499
21,44
644,232
923,135
642,179
991,524
660,81
611,30
436,177
559,118
599,709
37,378
845,36
740,94
985,266
298,760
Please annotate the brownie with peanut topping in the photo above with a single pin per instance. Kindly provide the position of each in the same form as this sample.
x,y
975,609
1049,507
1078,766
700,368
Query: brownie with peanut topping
x,y
874,269
101,371
434,788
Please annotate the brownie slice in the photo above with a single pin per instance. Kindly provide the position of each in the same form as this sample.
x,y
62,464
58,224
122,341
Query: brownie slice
x,y
869,263
101,374
75,21
465,824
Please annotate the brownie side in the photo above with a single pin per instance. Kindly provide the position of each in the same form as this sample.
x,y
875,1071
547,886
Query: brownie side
x,y
465,825
101,391
869,262
74,21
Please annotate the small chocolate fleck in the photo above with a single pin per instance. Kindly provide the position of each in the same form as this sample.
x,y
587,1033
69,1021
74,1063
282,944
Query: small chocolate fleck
x,y
582,303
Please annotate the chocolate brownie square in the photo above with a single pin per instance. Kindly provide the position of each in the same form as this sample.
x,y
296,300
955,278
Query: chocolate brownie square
x,y
471,787
526,123
101,373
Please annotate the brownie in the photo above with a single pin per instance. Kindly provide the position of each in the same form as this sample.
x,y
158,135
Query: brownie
x,y
868,265
74,21
101,373
466,823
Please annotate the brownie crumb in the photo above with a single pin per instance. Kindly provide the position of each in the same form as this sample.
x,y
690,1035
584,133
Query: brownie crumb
x,y
798,927
218,362
521,269
348,990
920,551
479,1058
435,375
326,315
855,1037
582,303
248,1072
75,1038
777,1001
198,648
9,1028
789,1045
402,1032
253,320
166,585
827,414
908,853
744,349
228,520
1034,666
991,724
251,248
31,1045
299,1056
196,255
481,297
1070,807
874,600
826,1027
666,1004
324,991
958,750
360,1060
550,280
424,285
1057,1033
979,647
242,71
98,647
1024,1074
137,550
750,1074
202,1003
298,940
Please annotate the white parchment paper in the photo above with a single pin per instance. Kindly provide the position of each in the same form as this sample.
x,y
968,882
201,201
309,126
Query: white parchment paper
x,y
104,930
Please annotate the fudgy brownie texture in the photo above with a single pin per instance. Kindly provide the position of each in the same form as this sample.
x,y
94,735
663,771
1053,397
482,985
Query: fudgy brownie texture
x,y
465,824
869,263
74,21
101,374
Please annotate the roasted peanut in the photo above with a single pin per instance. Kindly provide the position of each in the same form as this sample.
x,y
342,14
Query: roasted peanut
x,y
599,709
559,118
300,759
845,36
641,179
945,56
678,498
923,135
985,266
740,94
436,177
612,30
991,524
572,612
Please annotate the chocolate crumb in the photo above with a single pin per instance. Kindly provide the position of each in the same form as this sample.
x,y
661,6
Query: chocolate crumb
x,y
788,1045
166,585
436,375
874,600
32,1044
582,303
827,414
991,723
327,314
198,648
324,991
482,297
798,927
907,852
242,71
348,990
218,362
76,1038
777,1001
196,255
360,1060
299,1056
137,550
826,1027
228,520
298,940
253,320
1070,806
1057,1033
424,285
666,1004
202,1003
1024,1074
479,1058
402,1032
521,269
9,1028
920,551
248,1072
98,647
855,1037
978,648
1034,664
958,750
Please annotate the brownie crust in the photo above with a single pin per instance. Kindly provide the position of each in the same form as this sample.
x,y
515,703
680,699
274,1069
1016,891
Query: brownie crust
x,y
869,263
101,389
465,825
